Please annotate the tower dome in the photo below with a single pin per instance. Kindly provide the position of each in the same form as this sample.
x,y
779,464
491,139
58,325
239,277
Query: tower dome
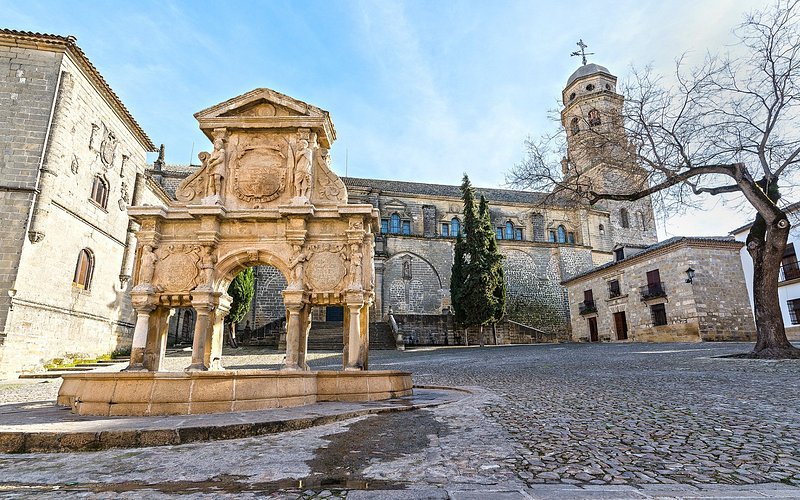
x,y
587,70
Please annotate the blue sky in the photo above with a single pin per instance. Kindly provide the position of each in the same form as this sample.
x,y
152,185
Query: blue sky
x,y
418,90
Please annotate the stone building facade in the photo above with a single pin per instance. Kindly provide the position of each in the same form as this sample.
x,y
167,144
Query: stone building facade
x,y
544,239
73,159
684,289
788,277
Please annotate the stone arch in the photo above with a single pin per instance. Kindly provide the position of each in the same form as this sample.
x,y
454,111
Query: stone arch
x,y
411,284
233,263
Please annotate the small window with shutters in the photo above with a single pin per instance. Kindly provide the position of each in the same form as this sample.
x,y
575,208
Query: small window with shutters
x,y
84,269
100,191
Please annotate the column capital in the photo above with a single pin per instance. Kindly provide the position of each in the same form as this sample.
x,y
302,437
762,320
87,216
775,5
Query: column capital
x,y
294,298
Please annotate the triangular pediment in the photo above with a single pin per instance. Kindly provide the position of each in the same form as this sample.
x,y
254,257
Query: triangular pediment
x,y
396,204
266,109
261,102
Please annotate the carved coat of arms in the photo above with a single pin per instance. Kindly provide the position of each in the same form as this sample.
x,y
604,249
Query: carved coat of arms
x,y
259,172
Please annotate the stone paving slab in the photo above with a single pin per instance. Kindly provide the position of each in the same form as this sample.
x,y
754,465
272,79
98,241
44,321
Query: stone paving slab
x,y
653,421
42,427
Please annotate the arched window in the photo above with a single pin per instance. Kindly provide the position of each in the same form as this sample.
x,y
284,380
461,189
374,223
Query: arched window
x,y
602,230
100,191
562,234
594,118
509,231
84,269
623,218
455,226
394,227
574,127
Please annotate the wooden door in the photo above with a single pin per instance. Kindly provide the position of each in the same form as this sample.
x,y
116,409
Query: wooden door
x,y
621,325
593,337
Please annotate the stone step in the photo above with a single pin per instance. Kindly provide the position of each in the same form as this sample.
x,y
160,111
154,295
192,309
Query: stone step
x,y
71,369
48,375
98,364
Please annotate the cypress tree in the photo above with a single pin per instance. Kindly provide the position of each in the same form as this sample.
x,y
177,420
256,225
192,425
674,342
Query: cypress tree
x,y
241,291
494,266
477,287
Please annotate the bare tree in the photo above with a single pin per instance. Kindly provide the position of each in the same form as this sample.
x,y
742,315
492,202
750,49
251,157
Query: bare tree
x,y
730,125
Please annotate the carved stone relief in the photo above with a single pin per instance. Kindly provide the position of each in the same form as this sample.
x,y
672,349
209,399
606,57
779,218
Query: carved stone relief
x,y
178,267
124,196
326,269
108,148
95,128
260,170
74,166
125,159
330,187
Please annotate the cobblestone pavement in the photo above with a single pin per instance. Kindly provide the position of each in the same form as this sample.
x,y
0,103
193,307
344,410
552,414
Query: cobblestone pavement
x,y
547,421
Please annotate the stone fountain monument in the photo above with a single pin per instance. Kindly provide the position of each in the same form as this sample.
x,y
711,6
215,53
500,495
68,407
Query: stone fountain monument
x,y
265,195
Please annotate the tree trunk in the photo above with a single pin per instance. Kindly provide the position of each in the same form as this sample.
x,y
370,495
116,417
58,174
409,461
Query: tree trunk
x,y
466,336
480,337
494,332
771,341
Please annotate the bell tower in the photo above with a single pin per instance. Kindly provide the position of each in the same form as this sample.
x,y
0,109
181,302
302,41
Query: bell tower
x,y
599,155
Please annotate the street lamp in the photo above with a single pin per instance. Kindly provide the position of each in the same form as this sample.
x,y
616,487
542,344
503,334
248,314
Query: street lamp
x,y
690,275
11,294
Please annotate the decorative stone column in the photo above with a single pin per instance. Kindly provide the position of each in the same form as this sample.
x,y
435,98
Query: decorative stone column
x,y
212,352
305,328
354,345
363,338
203,308
292,337
295,305
143,310
157,332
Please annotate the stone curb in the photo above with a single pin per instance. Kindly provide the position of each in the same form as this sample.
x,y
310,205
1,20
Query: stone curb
x,y
50,442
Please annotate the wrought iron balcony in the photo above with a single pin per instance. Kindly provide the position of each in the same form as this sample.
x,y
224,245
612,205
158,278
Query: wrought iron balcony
x,y
587,307
653,290
613,293
789,270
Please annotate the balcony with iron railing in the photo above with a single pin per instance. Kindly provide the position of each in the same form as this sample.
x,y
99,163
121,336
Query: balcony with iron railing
x,y
587,307
613,293
790,269
653,290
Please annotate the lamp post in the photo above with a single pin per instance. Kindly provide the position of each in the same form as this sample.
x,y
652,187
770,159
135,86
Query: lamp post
x,y
11,294
690,275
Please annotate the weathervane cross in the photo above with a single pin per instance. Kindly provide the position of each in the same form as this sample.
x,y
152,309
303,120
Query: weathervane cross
x,y
582,52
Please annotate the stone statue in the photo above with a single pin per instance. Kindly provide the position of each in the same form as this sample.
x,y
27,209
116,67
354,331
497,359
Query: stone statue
x,y
148,264
355,265
296,264
215,168
302,173
207,263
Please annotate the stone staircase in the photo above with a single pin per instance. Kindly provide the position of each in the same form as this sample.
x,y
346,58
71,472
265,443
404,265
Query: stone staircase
x,y
327,336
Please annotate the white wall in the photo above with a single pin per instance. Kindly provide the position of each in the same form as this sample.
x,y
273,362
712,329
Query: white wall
x,y
786,292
